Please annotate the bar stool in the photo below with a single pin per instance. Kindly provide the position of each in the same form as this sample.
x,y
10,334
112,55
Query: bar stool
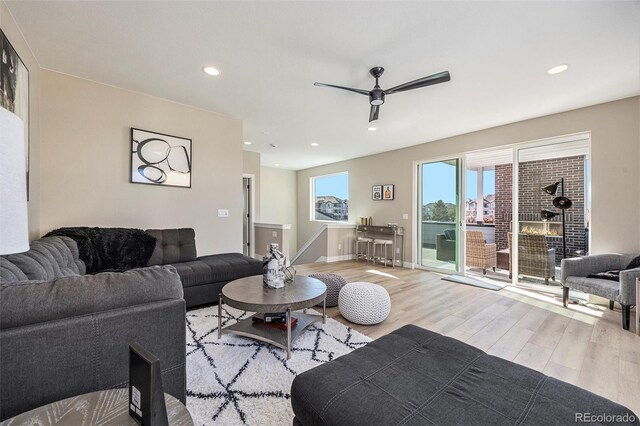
x,y
382,243
363,240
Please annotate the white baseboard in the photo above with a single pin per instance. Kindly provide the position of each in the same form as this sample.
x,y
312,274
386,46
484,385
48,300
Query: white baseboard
x,y
335,258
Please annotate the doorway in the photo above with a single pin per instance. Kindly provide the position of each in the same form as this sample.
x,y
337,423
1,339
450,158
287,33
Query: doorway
x,y
469,207
439,214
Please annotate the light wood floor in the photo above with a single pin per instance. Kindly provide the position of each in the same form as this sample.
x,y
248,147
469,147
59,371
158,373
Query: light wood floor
x,y
582,345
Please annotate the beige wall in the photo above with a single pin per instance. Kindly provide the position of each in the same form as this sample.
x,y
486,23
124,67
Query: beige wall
x,y
14,35
615,172
265,235
251,166
278,200
85,179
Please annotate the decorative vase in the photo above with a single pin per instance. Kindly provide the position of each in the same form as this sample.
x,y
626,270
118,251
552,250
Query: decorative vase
x,y
273,267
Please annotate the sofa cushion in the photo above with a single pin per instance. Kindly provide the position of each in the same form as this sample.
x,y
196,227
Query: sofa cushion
x,y
601,287
10,273
48,258
450,234
417,377
33,302
173,246
217,268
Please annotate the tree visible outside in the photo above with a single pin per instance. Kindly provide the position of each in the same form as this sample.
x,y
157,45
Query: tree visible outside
x,y
439,211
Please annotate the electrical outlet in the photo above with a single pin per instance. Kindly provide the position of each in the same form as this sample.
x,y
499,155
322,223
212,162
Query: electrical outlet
x,y
274,234
223,213
405,216
397,250
339,247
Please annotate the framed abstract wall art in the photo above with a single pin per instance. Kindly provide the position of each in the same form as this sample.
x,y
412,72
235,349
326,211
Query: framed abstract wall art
x,y
159,159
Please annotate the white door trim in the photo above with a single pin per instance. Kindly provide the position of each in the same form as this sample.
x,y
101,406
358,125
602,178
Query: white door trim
x,y
252,212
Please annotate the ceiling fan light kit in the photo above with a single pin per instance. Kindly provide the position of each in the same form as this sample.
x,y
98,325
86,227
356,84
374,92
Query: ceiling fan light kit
x,y
377,95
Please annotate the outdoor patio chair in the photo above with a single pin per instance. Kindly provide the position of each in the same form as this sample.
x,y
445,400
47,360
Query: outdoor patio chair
x,y
536,258
480,254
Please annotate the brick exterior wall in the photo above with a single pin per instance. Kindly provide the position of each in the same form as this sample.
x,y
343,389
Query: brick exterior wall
x,y
504,177
533,176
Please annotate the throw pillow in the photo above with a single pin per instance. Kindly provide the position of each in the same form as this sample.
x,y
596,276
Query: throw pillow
x,y
635,263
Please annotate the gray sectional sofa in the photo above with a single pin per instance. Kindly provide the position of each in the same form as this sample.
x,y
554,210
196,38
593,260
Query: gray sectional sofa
x,y
202,277
63,333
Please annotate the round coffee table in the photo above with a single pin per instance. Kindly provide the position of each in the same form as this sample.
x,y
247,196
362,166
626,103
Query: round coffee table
x,y
106,407
250,294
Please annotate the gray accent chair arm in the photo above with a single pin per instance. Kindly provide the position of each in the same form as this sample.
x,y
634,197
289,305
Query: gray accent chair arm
x,y
584,266
628,286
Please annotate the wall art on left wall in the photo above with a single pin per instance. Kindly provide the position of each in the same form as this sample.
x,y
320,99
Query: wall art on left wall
x,y
159,159
14,90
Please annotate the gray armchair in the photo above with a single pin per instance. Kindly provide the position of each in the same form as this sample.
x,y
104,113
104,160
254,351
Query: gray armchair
x,y
574,273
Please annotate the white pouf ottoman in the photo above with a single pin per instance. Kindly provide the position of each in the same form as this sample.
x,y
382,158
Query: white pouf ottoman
x,y
364,303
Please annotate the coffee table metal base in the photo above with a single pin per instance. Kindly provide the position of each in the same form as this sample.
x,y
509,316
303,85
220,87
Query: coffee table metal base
x,y
274,336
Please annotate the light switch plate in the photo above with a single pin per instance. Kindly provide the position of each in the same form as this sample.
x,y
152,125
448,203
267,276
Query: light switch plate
x,y
223,213
405,216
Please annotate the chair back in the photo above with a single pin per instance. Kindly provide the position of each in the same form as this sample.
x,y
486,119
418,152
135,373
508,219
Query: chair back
x,y
534,255
475,238
475,250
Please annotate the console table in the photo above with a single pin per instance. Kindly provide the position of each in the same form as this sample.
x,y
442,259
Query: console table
x,y
375,231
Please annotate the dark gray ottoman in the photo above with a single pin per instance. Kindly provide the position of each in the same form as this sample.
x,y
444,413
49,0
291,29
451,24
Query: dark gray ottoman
x,y
417,377
334,283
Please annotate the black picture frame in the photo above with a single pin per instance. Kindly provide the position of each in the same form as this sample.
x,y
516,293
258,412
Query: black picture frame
x,y
8,102
388,192
376,192
146,394
160,170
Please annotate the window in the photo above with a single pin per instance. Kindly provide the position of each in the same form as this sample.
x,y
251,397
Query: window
x,y
330,197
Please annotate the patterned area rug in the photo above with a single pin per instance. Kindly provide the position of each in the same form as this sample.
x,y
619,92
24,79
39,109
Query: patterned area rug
x,y
240,381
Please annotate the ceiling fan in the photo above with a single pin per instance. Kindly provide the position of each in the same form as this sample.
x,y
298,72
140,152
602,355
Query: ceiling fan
x,y
377,95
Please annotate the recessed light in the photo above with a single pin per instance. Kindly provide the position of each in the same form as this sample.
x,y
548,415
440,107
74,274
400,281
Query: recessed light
x,y
372,129
277,165
558,69
211,71
247,143
314,144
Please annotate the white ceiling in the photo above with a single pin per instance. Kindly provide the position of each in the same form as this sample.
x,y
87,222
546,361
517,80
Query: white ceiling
x,y
271,53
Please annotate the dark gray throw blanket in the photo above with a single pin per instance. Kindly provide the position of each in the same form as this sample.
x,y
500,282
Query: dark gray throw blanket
x,y
110,249
615,275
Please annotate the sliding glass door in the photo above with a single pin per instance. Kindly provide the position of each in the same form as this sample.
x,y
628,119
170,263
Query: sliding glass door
x,y
553,212
439,214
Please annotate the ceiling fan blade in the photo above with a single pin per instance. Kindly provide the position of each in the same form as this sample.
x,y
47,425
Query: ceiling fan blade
x,y
373,114
362,92
441,77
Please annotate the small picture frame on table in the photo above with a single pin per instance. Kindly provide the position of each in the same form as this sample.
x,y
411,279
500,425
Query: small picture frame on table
x,y
146,395
376,192
388,192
